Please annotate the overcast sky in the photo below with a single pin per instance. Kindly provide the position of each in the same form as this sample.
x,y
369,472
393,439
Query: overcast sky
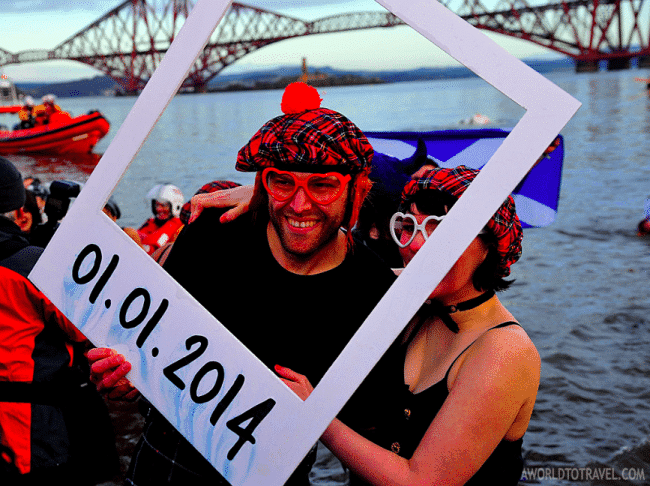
x,y
43,24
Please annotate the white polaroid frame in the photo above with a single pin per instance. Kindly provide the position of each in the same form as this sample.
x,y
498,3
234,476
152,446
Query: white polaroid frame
x,y
234,410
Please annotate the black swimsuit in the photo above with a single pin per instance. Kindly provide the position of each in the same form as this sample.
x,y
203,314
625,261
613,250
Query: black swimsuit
x,y
407,416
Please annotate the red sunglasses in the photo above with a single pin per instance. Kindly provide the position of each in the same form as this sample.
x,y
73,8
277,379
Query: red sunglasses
x,y
320,188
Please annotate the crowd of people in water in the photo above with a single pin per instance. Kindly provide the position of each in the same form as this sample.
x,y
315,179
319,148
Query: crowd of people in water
x,y
448,403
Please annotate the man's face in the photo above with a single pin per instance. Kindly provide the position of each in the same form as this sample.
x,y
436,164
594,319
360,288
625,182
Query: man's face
x,y
305,228
162,211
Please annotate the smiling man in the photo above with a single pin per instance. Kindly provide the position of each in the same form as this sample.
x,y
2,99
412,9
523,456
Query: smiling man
x,y
306,211
285,278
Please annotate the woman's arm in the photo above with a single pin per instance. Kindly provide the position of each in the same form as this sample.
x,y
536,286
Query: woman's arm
x,y
373,463
490,390
238,198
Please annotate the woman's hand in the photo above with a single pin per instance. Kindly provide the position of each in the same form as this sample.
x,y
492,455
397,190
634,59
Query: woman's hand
x,y
422,171
238,198
297,382
108,371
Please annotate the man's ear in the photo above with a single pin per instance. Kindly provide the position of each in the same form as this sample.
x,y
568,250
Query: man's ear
x,y
23,219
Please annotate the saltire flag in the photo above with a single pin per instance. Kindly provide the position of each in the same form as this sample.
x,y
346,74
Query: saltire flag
x,y
537,195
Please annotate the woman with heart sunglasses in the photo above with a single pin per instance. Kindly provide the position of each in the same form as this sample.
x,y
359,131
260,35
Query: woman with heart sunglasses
x,y
459,385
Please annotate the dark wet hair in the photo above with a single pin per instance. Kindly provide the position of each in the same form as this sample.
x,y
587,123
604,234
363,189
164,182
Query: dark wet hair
x,y
643,227
486,277
112,207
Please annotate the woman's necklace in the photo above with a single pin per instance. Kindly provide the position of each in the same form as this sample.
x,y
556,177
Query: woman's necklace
x,y
437,308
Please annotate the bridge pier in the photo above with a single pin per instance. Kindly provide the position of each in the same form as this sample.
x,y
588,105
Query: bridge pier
x,y
618,64
586,66
644,61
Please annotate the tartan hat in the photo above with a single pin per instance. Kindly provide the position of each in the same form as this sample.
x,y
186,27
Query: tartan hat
x,y
186,210
504,224
307,137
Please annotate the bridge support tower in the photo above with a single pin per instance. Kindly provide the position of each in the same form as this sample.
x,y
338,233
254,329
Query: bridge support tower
x,y
644,61
618,64
583,66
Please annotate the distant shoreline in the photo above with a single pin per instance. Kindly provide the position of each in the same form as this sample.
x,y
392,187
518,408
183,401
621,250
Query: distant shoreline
x,y
278,78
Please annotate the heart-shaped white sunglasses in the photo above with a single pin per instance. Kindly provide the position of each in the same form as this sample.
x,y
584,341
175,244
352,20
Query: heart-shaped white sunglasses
x,y
404,227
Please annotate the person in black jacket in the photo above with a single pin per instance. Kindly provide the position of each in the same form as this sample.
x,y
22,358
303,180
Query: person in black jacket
x,y
45,401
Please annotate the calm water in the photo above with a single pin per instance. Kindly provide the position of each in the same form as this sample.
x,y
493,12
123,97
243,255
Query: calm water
x,y
582,284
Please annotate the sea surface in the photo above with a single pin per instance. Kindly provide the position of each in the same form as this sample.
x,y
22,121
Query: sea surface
x,y
582,287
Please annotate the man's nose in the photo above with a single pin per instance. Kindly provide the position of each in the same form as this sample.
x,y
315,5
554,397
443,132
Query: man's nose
x,y
300,202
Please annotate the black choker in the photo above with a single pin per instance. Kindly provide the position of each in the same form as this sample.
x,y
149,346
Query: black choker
x,y
436,308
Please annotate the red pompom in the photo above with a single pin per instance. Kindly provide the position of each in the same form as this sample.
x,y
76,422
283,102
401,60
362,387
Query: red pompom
x,y
299,97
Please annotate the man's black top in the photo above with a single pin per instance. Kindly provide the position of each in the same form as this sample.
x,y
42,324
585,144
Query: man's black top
x,y
300,322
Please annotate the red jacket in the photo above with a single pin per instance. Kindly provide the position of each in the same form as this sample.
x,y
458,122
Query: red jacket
x,y
153,236
31,351
35,354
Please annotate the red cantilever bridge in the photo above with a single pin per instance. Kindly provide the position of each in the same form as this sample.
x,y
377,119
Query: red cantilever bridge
x,y
128,42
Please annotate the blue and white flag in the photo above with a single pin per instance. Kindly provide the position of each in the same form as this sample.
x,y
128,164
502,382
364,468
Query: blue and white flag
x,y
536,197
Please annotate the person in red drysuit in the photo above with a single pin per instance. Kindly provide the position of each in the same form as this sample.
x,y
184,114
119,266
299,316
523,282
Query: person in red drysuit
x,y
166,203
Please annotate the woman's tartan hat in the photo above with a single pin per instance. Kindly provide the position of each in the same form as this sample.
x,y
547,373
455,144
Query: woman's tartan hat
x,y
504,224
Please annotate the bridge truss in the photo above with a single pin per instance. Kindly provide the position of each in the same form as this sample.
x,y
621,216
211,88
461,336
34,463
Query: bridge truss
x,y
128,42
589,31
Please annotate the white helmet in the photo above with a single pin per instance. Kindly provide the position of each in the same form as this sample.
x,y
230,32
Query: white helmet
x,y
169,194
48,98
28,101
